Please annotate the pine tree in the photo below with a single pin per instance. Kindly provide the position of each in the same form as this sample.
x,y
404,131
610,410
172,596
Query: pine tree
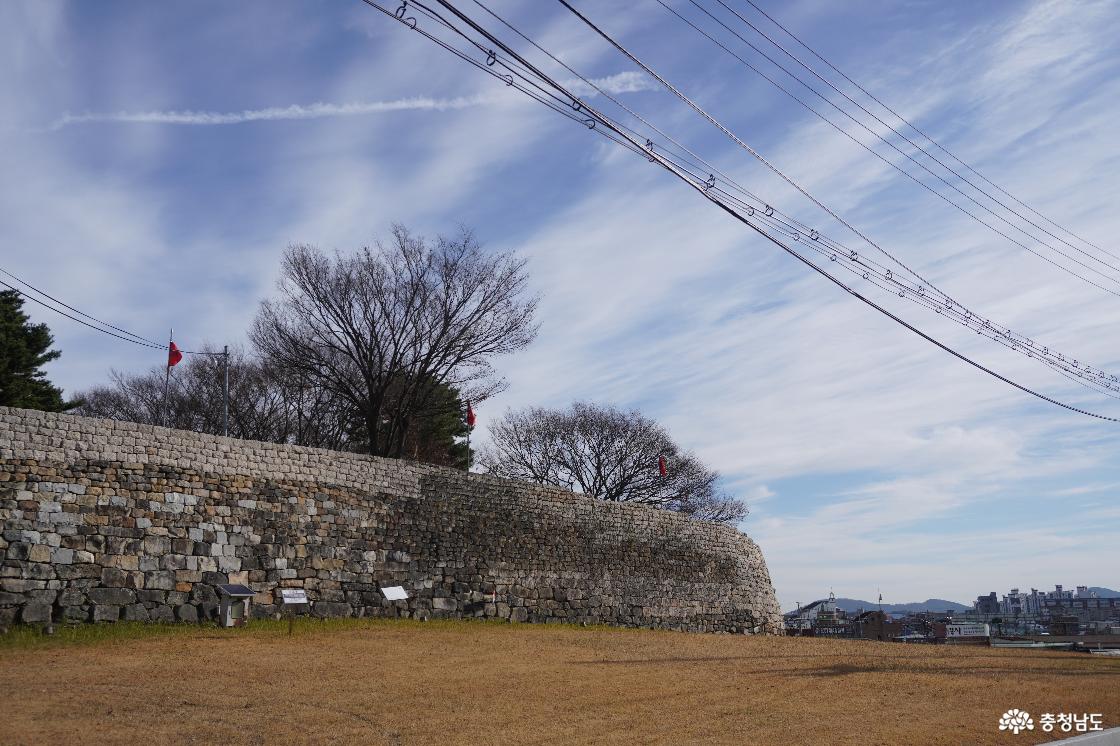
x,y
24,350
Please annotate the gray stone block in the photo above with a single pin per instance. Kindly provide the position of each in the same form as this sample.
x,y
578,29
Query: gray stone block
x,y
135,613
163,580
331,609
162,614
104,613
35,613
186,613
71,597
112,596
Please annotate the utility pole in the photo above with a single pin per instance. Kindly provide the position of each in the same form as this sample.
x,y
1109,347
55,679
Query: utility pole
x,y
225,390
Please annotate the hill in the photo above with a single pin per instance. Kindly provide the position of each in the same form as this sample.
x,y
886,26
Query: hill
x,y
1104,592
851,605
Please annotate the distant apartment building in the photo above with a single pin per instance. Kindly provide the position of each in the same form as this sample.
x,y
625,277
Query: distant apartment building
x,y
988,604
1080,603
1083,609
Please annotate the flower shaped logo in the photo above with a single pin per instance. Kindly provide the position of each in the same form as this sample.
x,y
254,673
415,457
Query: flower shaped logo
x,y
1016,720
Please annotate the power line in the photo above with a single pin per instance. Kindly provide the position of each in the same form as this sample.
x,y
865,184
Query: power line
x,y
905,155
914,127
75,310
705,187
922,150
105,327
75,318
1088,377
1095,380
734,138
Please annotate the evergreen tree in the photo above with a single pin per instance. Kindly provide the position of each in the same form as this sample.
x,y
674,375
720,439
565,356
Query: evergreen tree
x,y
24,350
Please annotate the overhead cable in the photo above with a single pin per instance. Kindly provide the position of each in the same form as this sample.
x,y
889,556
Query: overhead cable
x,y
705,187
910,158
927,137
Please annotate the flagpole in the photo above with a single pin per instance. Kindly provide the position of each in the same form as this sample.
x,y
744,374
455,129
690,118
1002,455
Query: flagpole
x,y
167,379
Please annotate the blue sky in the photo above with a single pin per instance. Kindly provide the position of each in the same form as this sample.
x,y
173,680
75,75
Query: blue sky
x,y
158,158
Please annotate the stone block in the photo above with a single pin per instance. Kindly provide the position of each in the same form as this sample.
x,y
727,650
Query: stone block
x,y
62,556
40,571
160,580
173,562
74,613
135,613
114,578
71,597
215,578
112,596
331,609
204,594
35,613
39,553
186,613
75,572
161,613
105,613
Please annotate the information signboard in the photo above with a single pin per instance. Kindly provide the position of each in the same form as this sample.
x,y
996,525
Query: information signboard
x,y
290,596
395,593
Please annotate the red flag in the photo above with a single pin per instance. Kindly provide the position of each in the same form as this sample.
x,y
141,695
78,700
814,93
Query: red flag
x,y
173,355
470,416
661,467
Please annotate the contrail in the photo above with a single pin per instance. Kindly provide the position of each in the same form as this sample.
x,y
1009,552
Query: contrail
x,y
626,82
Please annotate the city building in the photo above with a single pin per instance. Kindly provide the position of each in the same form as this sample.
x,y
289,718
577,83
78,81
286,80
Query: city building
x,y
988,604
821,618
876,625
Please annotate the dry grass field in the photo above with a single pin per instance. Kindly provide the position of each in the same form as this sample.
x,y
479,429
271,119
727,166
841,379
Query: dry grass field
x,y
380,682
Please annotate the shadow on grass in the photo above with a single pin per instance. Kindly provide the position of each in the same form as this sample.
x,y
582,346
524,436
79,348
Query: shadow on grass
x,y
1070,667
31,637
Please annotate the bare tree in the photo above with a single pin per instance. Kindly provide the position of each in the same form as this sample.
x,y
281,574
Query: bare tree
x,y
264,404
606,453
384,329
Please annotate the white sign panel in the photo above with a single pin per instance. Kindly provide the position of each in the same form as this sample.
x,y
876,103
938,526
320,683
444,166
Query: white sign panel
x,y
395,593
293,596
966,630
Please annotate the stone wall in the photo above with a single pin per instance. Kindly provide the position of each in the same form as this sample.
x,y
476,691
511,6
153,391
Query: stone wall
x,y
108,520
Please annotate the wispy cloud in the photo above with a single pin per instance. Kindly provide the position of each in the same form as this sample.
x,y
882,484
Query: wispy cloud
x,y
620,83
273,113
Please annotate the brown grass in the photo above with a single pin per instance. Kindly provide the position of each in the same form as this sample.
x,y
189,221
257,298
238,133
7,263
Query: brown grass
x,y
461,682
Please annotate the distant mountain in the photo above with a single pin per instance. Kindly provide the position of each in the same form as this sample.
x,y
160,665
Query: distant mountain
x,y
851,605
1104,592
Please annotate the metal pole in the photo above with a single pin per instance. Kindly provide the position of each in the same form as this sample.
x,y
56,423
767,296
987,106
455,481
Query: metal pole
x,y
225,391
167,379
